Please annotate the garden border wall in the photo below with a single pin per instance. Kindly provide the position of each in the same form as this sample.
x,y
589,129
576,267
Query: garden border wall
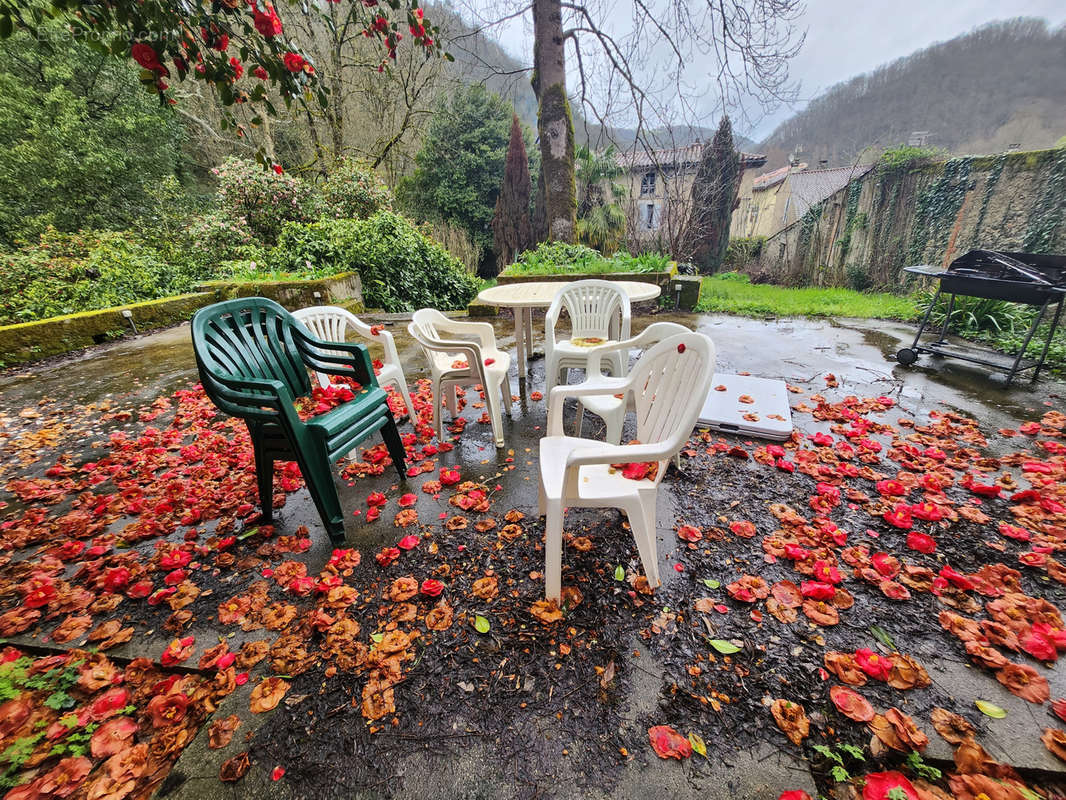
x,y
31,341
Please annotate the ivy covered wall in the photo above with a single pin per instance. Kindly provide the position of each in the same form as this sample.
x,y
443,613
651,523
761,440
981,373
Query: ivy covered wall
x,y
923,213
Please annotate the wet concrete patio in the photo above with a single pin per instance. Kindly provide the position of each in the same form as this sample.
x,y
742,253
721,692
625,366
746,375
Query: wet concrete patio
x,y
130,372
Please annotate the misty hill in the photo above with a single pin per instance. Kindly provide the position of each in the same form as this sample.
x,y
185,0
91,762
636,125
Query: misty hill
x,y
1002,84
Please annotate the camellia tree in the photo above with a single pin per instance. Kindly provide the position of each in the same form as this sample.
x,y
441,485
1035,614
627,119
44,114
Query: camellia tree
x,y
219,41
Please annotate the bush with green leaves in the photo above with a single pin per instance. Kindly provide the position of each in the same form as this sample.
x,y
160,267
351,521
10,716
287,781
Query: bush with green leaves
x,y
354,191
555,258
459,168
83,143
858,277
400,267
64,273
264,198
213,238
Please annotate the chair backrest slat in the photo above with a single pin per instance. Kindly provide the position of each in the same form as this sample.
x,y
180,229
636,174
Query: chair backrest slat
x,y
249,338
592,305
671,382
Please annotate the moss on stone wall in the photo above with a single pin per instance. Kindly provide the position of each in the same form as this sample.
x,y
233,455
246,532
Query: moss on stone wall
x,y
925,213
29,341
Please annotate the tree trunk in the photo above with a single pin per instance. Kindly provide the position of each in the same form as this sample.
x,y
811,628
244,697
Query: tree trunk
x,y
555,126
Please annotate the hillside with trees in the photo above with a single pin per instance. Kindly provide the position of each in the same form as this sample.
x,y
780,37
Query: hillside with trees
x,y
1000,85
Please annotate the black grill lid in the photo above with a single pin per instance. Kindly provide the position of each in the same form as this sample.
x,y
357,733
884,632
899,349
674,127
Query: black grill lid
x,y
1048,270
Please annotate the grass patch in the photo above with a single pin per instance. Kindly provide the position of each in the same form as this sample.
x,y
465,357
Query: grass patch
x,y
732,293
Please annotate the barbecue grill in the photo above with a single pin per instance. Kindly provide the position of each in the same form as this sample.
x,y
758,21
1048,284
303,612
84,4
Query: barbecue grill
x,y
1035,280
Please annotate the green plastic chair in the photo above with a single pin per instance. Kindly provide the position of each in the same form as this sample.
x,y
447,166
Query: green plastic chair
x,y
253,357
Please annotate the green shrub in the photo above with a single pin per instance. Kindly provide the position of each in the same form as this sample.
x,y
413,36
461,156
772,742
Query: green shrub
x,y
265,199
213,238
63,273
400,267
553,258
858,277
354,191
971,315
734,277
741,250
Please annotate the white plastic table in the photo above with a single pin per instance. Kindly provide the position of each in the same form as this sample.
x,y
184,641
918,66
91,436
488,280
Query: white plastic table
x,y
524,297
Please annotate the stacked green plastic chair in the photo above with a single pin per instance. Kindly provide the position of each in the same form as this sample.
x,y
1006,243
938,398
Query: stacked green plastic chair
x,y
253,357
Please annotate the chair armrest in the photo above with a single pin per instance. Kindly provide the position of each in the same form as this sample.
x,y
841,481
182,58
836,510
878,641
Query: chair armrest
x,y
348,359
389,343
482,330
252,397
601,453
593,387
469,350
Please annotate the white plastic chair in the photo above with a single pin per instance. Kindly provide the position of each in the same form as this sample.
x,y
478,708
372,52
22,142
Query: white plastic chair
x,y
429,327
668,384
597,309
332,324
608,407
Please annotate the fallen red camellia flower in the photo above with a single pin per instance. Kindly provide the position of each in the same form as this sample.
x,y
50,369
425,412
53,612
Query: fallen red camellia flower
x,y
851,704
668,743
880,784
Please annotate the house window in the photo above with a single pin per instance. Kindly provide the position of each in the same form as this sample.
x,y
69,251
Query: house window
x,y
649,217
647,183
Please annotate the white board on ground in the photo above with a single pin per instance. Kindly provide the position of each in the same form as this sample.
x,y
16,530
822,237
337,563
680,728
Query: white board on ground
x,y
747,406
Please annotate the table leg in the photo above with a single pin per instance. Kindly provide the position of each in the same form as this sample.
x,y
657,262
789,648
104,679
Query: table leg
x,y
519,339
529,333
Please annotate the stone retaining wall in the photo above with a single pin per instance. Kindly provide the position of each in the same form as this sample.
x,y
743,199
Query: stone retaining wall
x,y
30,341
923,214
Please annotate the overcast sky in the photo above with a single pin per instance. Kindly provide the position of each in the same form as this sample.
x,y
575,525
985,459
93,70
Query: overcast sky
x,y
846,38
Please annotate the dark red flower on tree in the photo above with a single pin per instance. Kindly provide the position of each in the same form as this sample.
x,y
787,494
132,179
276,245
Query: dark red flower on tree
x,y
147,57
294,62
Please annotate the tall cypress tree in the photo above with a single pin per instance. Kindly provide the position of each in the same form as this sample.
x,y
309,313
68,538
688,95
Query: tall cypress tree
x,y
511,229
713,196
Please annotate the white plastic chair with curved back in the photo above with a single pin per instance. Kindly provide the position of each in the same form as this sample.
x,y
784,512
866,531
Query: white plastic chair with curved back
x,y
612,410
597,310
668,386
479,362
332,324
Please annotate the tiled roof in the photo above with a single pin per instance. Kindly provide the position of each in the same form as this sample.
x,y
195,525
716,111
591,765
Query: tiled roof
x,y
770,178
813,186
687,156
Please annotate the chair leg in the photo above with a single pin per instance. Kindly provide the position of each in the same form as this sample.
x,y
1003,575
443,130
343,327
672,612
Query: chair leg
x,y
642,523
615,421
553,550
505,394
438,421
493,402
551,374
391,434
264,475
452,400
542,499
318,475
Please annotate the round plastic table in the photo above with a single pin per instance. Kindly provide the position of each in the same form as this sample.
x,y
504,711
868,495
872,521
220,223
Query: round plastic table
x,y
524,297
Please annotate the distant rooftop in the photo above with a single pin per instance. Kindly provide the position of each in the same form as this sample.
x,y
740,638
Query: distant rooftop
x,y
813,186
687,156
772,178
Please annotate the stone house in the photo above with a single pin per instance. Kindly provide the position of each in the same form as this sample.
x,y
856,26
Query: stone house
x,y
774,200
658,188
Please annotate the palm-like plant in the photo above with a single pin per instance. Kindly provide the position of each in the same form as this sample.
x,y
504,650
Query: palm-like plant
x,y
601,219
